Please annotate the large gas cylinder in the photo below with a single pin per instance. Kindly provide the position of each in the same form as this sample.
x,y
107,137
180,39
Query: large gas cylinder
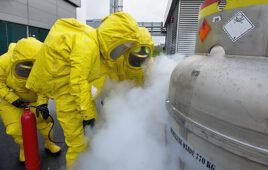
x,y
30,140
218,98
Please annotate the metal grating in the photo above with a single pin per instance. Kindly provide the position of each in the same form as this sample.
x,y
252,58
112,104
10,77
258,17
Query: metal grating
x,y
116,5
171,35
222,4
187,26
155,28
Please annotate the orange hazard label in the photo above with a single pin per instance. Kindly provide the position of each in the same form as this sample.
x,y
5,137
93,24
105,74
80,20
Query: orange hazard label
x,y
204,30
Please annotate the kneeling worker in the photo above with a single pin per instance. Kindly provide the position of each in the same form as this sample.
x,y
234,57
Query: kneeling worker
x,y
15,66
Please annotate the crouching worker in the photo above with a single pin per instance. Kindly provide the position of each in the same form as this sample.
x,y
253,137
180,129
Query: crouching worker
x,y
15,66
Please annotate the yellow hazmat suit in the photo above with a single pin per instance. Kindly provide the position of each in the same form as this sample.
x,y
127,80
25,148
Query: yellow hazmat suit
x,y
12,87
131,66
74,56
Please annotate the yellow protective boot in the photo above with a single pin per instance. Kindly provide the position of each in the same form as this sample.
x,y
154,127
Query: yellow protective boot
x,y
52,147
45,127
22,157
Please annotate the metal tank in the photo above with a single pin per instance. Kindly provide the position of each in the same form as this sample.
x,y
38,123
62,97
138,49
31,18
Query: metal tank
x,y
218,98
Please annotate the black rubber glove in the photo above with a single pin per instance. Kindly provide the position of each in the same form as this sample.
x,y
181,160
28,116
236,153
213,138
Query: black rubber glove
x,y
90,123
43,110
19,103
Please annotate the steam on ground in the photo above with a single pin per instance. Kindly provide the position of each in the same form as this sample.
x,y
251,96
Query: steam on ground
x,y
130,135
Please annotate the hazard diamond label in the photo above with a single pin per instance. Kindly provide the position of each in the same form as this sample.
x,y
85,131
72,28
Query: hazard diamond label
x,y
204,30
238,26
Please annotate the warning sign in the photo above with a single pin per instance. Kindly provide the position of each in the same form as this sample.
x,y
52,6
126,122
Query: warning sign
x,y
238,26
204,30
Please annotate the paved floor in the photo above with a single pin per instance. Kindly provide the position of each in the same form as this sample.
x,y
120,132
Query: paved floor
x,y
9,151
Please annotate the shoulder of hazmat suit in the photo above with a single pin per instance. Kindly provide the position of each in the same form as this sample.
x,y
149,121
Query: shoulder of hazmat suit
x,y
5,64
131,67
69,56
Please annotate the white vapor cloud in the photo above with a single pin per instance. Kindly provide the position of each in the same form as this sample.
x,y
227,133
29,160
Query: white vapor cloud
x,y
131,136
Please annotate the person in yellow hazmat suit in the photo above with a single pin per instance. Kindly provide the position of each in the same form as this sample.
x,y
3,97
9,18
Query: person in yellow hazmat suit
x,y
73,56
132,65
15,66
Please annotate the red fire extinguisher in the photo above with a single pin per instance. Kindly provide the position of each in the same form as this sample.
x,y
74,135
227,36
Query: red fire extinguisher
x,y
30,140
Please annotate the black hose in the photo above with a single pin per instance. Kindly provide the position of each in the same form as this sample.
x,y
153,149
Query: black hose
x,y
53,122
49,136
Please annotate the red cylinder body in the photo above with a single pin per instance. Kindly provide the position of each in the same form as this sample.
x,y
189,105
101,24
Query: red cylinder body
x,y
30,140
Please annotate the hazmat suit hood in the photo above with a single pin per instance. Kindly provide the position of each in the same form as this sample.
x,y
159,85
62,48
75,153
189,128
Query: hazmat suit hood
x,y
20,64
26,49
145,40
23,56
125,71
117,29
17,61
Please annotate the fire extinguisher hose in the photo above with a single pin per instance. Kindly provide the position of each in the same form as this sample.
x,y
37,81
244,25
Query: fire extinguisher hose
x,y
49,136
49,133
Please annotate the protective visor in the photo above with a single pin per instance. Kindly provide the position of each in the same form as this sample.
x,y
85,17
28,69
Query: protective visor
x,y
139,56
120,50
23,69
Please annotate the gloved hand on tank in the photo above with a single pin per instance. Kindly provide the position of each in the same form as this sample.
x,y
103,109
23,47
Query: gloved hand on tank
x,y
43,109
20,103
90,123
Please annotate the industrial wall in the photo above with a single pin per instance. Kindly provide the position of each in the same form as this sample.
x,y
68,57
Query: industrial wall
x,y
171,35
22,18
181,21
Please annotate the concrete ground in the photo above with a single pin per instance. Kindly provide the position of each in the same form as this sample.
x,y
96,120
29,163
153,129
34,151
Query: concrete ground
x,y
9,150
